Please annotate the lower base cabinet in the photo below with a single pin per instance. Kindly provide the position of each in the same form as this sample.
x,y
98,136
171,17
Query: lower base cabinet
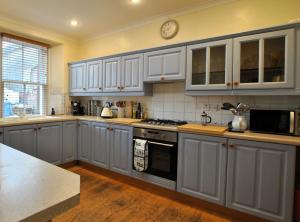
x,y
69,149
22,138
84,141
100,145
49,142
202,167
260,179
121,149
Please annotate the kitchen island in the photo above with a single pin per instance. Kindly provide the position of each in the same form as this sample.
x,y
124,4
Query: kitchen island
x,y
32,189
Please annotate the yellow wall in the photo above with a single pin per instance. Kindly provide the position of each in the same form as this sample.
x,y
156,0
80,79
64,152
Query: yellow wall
x,y
227,18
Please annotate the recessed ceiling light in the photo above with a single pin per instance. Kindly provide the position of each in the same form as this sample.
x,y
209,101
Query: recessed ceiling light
x,y
73,23
135,2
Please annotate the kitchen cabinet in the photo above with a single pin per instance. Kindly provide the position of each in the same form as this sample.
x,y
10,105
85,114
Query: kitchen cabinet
x,y
111,74
121,149
77,74
69,149
84,141
264,61
49,142
94,77
202,167
209,66
165,65
22,138
260,179
100,145
1,135
132,73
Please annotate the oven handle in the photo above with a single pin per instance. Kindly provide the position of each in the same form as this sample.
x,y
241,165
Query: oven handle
x,y
161,144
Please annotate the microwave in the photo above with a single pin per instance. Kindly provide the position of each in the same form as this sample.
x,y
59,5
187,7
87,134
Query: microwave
x,y
286,122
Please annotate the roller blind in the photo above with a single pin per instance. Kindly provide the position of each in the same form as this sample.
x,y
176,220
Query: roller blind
x,y
24,77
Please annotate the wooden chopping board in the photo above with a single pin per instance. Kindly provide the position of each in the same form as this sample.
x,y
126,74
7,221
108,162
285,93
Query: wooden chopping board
x,y
198,128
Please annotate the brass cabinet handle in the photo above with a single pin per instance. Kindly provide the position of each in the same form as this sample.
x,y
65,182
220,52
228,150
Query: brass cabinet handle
x,y
119,87
162,78
84,88
236,83
224,144
228,84
100,88
232,146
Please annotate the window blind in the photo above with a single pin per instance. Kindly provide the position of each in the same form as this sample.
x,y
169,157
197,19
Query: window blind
x,y
24,77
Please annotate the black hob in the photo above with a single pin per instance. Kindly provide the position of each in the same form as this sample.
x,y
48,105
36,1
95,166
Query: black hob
x,y
163,122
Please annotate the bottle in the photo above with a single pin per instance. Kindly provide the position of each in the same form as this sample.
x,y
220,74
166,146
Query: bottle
x,y
52,111
138,111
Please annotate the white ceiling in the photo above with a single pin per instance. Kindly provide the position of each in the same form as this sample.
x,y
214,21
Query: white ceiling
x,y
94,17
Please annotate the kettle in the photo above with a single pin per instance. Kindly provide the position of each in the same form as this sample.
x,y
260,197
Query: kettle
x,y
106,111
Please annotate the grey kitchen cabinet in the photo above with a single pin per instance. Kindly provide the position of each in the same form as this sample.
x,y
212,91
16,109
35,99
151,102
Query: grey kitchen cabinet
x,y
209,66
202,167
165,65
100,145
69,135
132,73
77,74
22,138
260,179
1,135
264,61
111,74
94,77
84,141
121,148
49,142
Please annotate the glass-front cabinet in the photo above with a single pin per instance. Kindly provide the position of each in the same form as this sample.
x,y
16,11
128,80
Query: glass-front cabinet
x,y
209,66
264,60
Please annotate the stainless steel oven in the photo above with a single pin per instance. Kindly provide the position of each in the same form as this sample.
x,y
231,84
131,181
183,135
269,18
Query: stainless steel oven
x,y
162,152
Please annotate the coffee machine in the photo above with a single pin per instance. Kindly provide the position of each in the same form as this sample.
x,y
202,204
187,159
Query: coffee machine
x,y
77,109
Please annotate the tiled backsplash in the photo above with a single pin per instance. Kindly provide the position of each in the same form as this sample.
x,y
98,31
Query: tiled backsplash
x,y
170,102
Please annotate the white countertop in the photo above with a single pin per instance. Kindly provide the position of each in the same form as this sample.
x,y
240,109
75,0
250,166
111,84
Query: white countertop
x,y
32,189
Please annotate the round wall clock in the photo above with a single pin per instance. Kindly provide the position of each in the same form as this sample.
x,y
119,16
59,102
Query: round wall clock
x,y
169,29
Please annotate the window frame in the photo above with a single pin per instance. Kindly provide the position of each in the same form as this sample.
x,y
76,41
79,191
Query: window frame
x,y
45,86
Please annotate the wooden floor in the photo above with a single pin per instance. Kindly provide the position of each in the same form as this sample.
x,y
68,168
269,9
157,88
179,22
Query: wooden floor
x,y
106,199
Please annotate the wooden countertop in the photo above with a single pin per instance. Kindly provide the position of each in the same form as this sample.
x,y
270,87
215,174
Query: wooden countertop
x,y
187,128
198,128
33,190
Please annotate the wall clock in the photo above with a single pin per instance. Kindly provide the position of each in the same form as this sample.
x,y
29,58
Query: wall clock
x,y
169,29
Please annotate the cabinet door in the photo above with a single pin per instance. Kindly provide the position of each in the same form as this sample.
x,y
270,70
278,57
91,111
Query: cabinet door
x,y
94,76
111,73
167,64
132,73
209,66
121,149
202,167
22,138
100,145
69,151
84,139
264,60
77,77
49,142
260,179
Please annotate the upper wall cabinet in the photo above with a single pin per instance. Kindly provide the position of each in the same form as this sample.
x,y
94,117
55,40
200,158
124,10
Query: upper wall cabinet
x,y
94,76
77,77
209,65
264,61
132,73
167,64
111,73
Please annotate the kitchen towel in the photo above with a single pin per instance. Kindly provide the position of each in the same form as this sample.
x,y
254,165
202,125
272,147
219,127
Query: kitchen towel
x,y
140,155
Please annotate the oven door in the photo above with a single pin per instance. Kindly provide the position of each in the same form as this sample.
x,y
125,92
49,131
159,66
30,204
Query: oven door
x,y
162,159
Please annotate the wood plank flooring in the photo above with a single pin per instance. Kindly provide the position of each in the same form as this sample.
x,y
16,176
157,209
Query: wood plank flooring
x,y
107,199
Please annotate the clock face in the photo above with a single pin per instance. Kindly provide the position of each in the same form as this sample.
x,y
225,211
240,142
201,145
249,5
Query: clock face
x,y
169,29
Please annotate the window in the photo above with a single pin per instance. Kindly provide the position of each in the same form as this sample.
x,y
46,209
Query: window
x,y
24,77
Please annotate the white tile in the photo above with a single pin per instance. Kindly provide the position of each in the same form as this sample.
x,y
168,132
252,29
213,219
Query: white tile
x,y
190,117
202,99
158,115
189,99
178,107
168,107
168,115
189,107
178,116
